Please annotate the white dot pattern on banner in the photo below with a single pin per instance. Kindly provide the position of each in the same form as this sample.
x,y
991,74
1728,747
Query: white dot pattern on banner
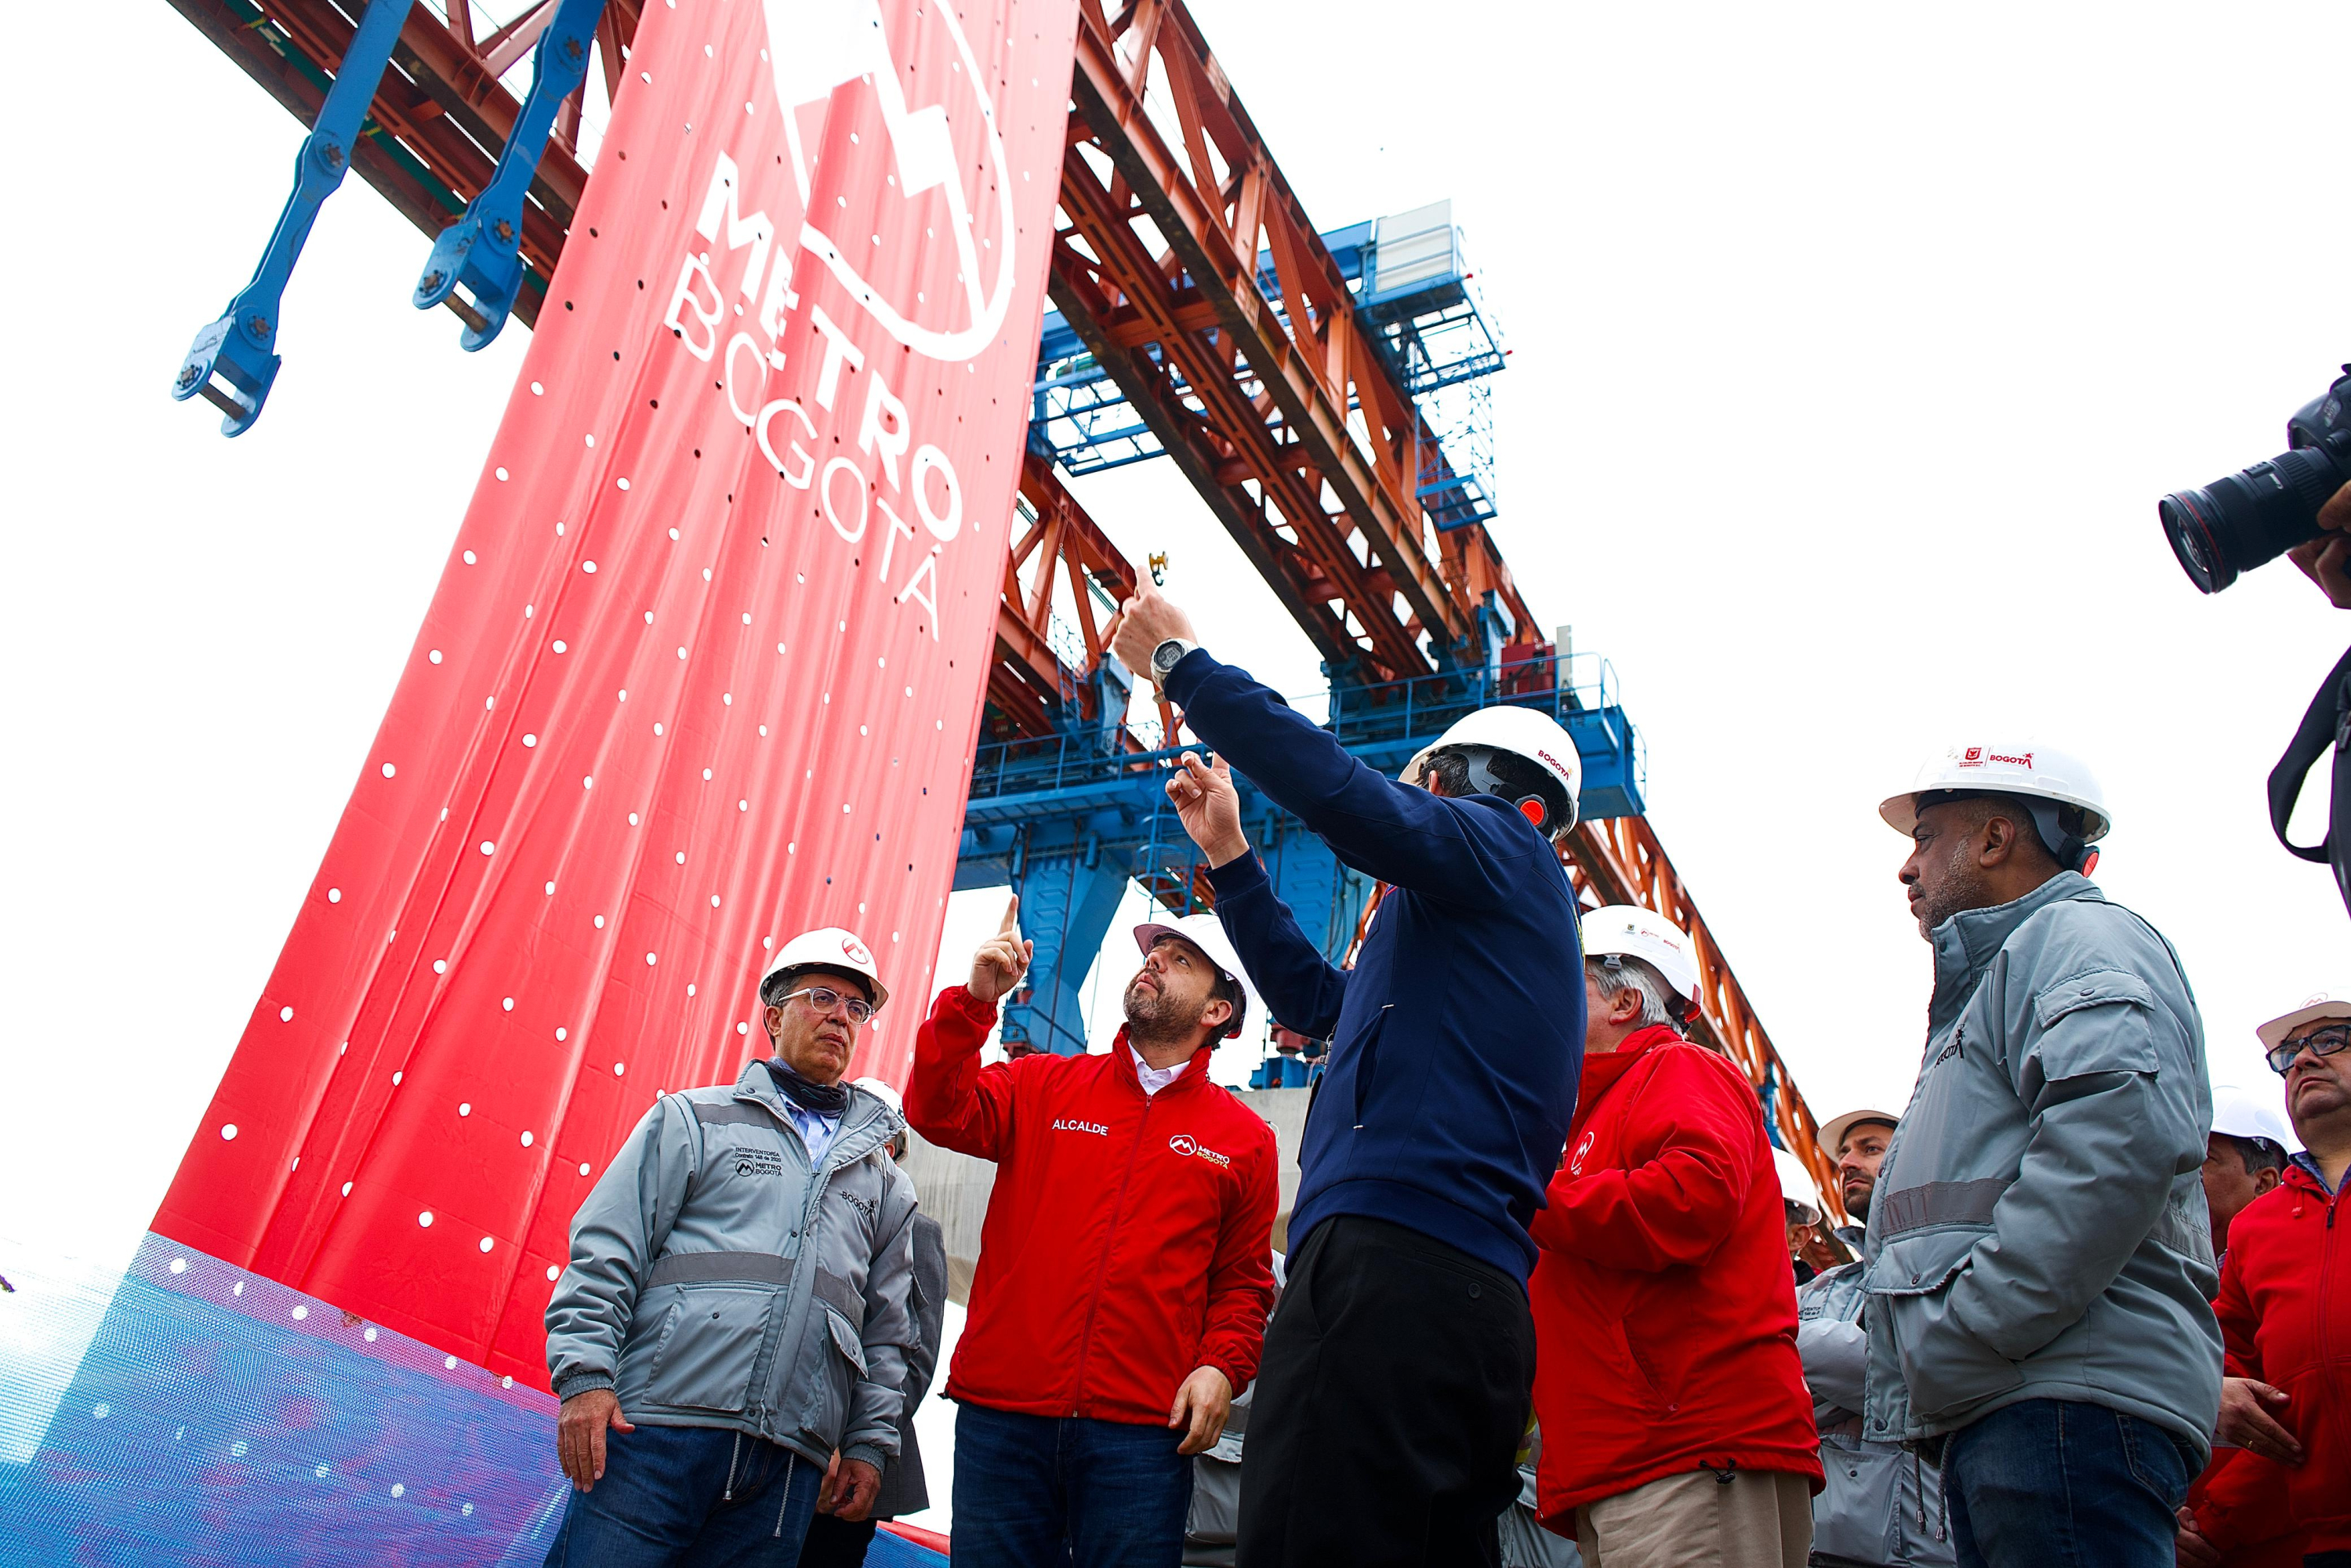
x,y
611,396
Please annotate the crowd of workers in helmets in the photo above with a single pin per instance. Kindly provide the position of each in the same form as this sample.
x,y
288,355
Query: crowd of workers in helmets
x,y
1549,1292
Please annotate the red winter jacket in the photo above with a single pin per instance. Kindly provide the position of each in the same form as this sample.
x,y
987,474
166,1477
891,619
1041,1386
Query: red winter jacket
x,y
2242,1493
1128,1237
2286,1316
1664,1301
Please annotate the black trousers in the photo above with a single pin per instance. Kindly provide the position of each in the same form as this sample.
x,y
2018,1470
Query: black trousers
x,y
1385,1429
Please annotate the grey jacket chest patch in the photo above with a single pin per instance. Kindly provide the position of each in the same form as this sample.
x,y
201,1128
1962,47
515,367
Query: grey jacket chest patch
x,y
756,1162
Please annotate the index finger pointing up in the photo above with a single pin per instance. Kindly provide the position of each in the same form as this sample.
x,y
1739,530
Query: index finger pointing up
x,y
1011,918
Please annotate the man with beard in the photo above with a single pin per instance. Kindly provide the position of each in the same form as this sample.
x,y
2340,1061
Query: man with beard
x,y
2040,1266
1881,1505
1123,1283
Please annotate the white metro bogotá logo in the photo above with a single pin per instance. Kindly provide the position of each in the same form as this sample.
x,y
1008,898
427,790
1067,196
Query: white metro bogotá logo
x,y
818,46
897,479
1187,1145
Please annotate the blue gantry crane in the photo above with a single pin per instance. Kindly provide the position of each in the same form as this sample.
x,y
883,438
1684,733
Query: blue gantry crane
x,y
1071,811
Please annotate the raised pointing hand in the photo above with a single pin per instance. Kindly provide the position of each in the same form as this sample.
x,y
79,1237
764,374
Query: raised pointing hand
x,y
1208,806
1002,959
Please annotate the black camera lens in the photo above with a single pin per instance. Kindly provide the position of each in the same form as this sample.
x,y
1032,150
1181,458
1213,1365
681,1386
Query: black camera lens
x,y
2249,518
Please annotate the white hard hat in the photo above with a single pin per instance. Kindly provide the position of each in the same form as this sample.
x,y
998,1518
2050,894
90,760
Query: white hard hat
x,y
1206,932
887,1094
1637,932
1522,732
1833,1131
1796,1183
2239,1114
2035,773
2312,1008
828,947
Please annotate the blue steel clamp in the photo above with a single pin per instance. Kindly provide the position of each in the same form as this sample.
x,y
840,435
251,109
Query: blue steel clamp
x,y
482,250
234,361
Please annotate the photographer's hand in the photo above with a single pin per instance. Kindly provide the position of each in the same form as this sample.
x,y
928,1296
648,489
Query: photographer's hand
x,y
2327,562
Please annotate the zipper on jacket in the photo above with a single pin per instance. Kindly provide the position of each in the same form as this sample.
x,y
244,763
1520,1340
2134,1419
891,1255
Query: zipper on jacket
x,y
1118,1206
734,1456
821,1173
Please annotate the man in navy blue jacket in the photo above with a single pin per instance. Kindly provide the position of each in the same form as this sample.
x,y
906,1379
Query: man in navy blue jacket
x,y
1397,1375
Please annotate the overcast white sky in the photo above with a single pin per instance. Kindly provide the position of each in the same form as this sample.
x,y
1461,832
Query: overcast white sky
x,y
1852,347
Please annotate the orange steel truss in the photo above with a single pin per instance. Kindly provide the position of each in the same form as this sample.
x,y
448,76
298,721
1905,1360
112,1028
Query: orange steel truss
x,y
1266,390
1030,684
1270,396
1275,405
1620,861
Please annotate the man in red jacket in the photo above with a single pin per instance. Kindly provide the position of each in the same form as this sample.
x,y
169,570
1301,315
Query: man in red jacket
x,y
1123,1284
1664,1301
2286,1316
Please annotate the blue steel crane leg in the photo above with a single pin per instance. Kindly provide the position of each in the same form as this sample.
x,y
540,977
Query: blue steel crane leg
x,y
1066,905
482,250
234,361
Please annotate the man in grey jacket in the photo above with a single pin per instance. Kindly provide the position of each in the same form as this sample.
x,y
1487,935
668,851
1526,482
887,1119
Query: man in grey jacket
x,y
2040,1271
1878,1506
736,1310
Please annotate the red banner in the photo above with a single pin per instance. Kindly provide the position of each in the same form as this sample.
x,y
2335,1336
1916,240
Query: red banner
x,y
705,668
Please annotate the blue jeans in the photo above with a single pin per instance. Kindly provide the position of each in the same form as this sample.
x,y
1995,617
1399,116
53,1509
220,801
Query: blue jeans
x,y
692,1497
1034,1490
2050,1481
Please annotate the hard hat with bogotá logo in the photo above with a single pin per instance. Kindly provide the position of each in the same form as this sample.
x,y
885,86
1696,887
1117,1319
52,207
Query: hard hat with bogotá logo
x,y
1629,930
827,948
1206,932
1522,732
2069,809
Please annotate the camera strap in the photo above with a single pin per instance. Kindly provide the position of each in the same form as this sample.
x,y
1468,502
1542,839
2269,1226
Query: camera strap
x,y
2327,724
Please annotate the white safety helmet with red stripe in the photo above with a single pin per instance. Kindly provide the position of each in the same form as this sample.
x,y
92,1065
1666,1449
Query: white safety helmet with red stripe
x,y
828,947
1524,732
1627,930
2069,809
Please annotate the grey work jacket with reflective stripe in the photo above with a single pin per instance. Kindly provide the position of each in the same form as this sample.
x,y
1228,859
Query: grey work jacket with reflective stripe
x,y
2038,1229
1877,1503
717,1280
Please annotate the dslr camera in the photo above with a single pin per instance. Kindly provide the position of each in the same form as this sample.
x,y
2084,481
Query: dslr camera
x,y
2257,514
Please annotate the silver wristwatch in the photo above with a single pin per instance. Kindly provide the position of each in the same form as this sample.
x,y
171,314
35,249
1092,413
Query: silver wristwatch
x,y
1166,656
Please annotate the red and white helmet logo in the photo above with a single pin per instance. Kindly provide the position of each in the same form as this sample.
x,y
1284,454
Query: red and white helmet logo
x,y
1974,758
856,950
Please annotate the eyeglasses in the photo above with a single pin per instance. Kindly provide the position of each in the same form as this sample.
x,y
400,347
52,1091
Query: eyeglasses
x,y
2319,1042
825,998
